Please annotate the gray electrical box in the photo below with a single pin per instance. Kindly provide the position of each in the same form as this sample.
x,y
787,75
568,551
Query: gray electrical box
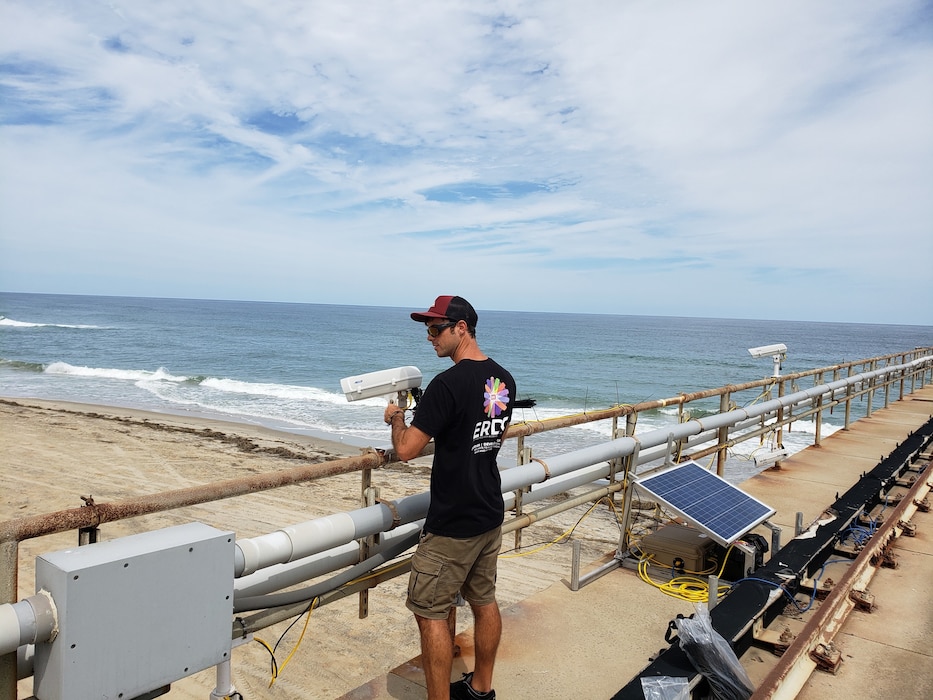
x,y
136,613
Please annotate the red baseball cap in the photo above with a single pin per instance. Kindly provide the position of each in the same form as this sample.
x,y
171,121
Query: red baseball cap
x,y
449,307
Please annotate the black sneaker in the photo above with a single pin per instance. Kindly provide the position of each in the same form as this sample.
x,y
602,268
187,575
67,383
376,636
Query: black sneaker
x,y
462,690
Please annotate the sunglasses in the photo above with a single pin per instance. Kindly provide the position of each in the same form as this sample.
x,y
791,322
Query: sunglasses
x,y
434,331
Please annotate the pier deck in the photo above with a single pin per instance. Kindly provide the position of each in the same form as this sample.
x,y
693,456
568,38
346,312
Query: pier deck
x,y
559,644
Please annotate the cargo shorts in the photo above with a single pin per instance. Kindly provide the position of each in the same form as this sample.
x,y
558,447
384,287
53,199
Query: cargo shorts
x,y
443,566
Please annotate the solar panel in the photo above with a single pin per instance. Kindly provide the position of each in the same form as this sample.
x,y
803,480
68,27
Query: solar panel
x,y
707,500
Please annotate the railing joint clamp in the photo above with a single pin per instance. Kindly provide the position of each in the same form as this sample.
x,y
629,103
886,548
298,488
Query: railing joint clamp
x,y
396,519
547,471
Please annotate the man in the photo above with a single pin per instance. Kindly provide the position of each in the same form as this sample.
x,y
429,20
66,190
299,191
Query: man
x,y
466,410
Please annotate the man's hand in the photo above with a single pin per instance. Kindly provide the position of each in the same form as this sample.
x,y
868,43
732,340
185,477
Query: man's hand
x,y
391,411
407,441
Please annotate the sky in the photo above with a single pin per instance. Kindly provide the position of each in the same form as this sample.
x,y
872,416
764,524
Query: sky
x,y
767,160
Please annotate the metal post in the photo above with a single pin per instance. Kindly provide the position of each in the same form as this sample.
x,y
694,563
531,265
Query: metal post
x,y
368,497
225,687
523,457
88,535
887,387
614,463
832,397
761,421
680,443
518,511
575,567
723,437
775,536
780,421
900,392
818,422
629,465
845,425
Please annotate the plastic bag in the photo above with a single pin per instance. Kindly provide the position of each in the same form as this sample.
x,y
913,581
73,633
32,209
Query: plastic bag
x,y
665,688
712,656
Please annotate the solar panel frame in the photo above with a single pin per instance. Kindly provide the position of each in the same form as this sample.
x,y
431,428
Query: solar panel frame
x,y
706,500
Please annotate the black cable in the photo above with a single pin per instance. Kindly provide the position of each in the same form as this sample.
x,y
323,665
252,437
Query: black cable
x,y
306,611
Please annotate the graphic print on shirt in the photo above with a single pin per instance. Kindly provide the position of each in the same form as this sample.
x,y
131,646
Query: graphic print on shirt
x,y
496,397
487,435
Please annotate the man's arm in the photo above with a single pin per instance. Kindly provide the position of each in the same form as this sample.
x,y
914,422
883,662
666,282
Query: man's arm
x,y
407,440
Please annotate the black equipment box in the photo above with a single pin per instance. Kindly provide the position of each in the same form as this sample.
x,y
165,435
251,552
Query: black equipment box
x,y
746,555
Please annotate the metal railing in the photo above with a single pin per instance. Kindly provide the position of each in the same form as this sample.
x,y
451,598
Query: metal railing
x,y
599,470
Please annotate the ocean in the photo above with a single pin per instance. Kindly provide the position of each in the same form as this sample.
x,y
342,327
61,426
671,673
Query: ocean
x,y
280,364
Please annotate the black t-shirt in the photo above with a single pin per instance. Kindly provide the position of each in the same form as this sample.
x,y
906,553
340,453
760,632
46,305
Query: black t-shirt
x,y
466,409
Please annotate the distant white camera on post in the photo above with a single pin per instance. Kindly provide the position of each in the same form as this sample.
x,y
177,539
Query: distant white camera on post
x,y
777,351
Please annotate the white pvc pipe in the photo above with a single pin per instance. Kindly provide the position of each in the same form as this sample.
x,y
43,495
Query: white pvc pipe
x,y
9,628
279,576
33,619
242,603
319,535
561,484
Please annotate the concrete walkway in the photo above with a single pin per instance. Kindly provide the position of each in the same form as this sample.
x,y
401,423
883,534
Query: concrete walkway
x,y
559,644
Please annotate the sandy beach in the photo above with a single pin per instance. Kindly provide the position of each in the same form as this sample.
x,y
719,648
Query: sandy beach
x,y
53,453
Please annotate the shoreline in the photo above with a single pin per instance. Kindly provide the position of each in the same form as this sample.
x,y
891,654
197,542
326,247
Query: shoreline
x,y
334,440
326,441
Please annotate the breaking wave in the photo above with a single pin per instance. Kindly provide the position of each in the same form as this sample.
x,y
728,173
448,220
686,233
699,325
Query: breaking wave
x,y
13,323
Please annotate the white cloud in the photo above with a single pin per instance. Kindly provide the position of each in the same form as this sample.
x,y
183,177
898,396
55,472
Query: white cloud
x,y
531,155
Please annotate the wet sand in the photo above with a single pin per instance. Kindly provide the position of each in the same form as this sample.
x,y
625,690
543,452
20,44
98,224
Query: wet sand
x,y
53,453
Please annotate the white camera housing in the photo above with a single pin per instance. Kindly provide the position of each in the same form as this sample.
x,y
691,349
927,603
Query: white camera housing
x,y
766,350
381,383
767,459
